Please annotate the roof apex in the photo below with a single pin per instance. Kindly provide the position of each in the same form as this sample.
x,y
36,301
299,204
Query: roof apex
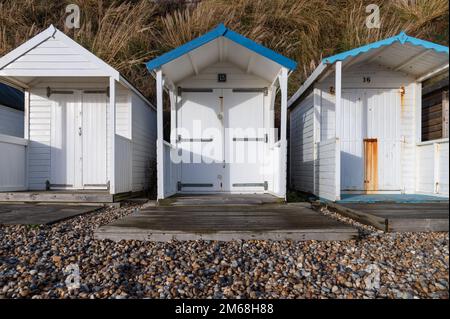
x,y
218,31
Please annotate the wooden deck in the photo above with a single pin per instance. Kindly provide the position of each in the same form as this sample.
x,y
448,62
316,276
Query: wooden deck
x,y
220,200
399,217
224,223
54,196
38,214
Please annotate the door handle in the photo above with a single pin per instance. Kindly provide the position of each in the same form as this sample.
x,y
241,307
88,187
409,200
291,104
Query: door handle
x,y
80,132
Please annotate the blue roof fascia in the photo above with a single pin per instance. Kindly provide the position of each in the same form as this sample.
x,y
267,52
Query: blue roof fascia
x,y
220,30
187,47
401,37
262,50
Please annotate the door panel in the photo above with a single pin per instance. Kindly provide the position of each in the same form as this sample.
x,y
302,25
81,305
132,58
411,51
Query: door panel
x,y
63,141
370,165
93,132
245,141
383,124
200,134
353,128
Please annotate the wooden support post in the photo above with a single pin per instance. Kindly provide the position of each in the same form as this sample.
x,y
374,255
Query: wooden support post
x,y
173,116
337,113
160,134
112,135
283,80
338,102
26,134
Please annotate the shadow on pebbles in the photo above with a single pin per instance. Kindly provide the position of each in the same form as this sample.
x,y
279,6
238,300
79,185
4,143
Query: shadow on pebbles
x,y
64,261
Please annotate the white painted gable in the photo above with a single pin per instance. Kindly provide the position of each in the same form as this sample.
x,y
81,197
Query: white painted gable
x,y
52,53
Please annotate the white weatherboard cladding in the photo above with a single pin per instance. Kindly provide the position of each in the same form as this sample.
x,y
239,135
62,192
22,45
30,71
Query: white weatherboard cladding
x,y
11,121
53,57
301,139
12,163
143,121
327,116
432,168
326,169
236,78
443,169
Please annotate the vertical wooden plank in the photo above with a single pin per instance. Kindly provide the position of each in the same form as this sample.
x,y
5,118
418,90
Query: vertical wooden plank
x,y
160,134
173,116
338,102
112,133
445,114
26,134
370,165
283,80
316,133
337,115
337,169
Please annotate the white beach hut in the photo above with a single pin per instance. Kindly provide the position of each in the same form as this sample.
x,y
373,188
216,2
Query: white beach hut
x,y
87,129
356,123
222,88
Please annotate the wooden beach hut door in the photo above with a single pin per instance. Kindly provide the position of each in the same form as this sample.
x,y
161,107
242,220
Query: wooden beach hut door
x,y
370,164
222,133
200,136
78,140
383,141
246,140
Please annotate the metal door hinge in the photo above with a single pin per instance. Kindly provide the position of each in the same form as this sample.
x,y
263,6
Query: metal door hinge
x,y
50,92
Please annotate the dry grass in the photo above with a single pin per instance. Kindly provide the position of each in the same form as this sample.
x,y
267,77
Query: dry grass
x,y
127,33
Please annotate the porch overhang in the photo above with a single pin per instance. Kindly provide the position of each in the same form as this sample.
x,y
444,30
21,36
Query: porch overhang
x,y
402,53
218,45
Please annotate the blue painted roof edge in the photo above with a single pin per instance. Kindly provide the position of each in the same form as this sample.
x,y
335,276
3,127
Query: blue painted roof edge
x,y
402,37
260,49
187,47
220,30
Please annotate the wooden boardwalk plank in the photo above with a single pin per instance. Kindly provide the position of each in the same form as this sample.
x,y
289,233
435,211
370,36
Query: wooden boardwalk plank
x,y
399,217
271,222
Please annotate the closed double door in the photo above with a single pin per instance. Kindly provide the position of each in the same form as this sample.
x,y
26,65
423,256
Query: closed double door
x,y
78,140
222,137
370,140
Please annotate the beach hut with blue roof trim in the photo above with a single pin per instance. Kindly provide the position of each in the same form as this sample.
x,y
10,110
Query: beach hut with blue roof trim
x,y
222,88
356,123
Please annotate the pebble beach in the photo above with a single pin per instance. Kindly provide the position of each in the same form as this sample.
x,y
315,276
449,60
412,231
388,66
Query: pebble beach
x,y
34,262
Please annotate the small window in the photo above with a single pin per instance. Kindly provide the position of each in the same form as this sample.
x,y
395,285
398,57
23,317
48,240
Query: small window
x,y
435,108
